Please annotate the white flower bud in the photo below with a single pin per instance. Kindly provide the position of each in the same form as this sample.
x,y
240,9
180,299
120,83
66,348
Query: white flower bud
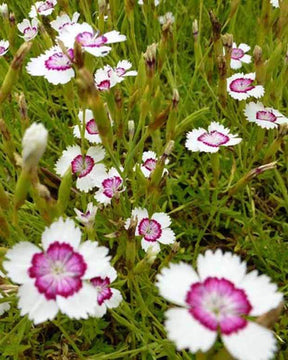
x,y
34,143
4,10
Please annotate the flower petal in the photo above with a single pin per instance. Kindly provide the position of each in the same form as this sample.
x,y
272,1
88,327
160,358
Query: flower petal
x,y
167,236
115,299
34,304
262,294
80,305
221,265
63,231
174,282
187,332
163,219
254,342
19,261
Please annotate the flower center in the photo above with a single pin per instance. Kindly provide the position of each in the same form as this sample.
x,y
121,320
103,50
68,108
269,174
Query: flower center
x,y
82,166
266,116
30,32
150,164
120,71
111,186
214,138
150,229
242,85
237,53
58,271
88,39
46,6
102,287
91,127
217,303
59,61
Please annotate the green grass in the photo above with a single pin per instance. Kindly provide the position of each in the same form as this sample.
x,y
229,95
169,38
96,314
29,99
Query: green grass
x,y
252,222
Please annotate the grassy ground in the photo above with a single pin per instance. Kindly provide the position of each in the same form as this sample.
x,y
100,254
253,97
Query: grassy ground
x,y
199,193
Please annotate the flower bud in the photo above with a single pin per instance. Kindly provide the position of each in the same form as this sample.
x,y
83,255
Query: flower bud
x,y
87,218
195,29
131,129
150,59
4,10
34,143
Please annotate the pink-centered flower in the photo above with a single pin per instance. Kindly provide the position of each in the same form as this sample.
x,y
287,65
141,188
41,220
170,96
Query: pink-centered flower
x,y
107,296
153,229
220,299
211,140
241,86
267,118
43,8
57,276
91,41
28,29
149,161
239,56
85,167
54,65
63,22
110,186
4,47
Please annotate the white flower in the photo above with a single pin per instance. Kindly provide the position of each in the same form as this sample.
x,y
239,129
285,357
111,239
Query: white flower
x,y
28,29
84,167
220,298
43,8
107,297
153,230
167,18
54,65
109,77
267,118
4,47
58,275
149,162
34,144
241,86
4,10
211,140
63,22
87,218
91,129
156,2
110,186
275,3
91,41
238,56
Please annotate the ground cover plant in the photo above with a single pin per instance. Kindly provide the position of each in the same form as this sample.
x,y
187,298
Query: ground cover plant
x,y
143,194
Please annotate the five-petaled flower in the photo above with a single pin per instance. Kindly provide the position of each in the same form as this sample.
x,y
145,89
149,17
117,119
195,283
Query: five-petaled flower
x,y
59,275
28,29
54,65
90,41
265,117
238,56
85,167
43,8
153,229
4,47
241,86
110,186
211,140
220,298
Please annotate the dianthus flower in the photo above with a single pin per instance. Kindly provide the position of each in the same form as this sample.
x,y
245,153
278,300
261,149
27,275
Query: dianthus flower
x,y
267,118
220,299
238,56
63,22
59,275
241,86
211,140
110,186
4,47
28,29
43,8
